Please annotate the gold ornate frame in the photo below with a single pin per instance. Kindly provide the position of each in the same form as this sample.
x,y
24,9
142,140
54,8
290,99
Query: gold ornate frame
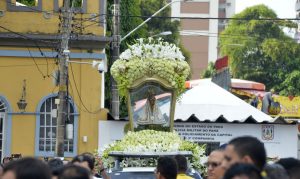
x,y
156,80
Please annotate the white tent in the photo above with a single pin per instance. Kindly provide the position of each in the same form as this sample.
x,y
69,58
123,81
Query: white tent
x,y
208,101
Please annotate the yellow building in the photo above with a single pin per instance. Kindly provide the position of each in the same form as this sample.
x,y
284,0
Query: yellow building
x,y
29,40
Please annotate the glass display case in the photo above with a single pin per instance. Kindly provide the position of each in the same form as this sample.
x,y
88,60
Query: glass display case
x,y
151,105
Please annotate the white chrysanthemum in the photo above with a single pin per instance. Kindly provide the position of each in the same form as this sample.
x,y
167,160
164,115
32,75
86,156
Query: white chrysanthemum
x,y
154,141
126,55
152,49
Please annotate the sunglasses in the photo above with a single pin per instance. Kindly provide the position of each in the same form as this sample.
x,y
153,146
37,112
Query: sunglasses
x,y
213,164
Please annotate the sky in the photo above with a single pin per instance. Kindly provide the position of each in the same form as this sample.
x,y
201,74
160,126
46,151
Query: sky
x,y
283,8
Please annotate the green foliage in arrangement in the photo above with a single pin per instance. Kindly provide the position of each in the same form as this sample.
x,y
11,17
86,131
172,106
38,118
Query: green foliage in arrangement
x,y
153,141
150,57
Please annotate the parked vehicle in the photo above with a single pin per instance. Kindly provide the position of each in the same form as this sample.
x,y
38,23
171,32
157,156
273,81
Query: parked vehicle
x,y
144,173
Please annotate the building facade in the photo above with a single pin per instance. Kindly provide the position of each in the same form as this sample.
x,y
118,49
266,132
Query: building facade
x,y
29,43
201,22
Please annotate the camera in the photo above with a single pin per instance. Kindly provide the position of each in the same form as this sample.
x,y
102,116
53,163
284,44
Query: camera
x,y
101,67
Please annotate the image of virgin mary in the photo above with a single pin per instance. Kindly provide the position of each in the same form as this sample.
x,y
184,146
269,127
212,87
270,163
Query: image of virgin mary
x,y
151,113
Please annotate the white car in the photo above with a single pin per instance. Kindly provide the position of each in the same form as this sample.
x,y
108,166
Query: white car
x,y
143,173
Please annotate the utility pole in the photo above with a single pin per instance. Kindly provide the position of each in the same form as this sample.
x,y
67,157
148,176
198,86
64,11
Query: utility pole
x,y
115,101
63,78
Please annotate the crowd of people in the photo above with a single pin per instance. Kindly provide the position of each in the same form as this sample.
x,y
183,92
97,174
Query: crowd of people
x,y
245,157
80,167
241,158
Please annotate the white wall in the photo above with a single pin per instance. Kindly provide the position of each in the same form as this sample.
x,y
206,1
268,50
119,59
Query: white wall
x,y
110,131
213,31
282,143
230,8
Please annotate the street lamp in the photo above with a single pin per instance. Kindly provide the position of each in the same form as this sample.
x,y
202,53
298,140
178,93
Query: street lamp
x,y
165,33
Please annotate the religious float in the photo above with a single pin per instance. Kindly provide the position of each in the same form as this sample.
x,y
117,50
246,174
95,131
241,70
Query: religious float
x,y
149,74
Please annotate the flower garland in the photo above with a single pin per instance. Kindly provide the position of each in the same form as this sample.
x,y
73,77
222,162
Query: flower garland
x,y
148,58
153,141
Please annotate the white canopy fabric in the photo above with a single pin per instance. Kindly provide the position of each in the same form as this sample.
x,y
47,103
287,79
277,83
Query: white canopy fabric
x,y
208,101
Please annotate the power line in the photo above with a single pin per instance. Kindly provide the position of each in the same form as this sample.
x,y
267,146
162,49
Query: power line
x,y
36,44
93,19
26,37
80,108
90,19
10,66
79,96
164,17
209,18
43,55
217,35
180,17
36,64
92,24
57,13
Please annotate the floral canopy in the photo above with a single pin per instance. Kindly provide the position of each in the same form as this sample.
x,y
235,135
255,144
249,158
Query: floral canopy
x,y
149,57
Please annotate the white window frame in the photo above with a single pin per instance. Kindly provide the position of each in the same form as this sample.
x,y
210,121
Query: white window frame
x,y
40,124
6,115
2,130
13,7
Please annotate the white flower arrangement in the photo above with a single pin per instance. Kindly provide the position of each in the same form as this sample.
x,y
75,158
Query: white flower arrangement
x,y
152,49
153,141
148,58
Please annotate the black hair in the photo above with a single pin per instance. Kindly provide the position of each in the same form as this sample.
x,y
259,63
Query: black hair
x,y
74,172
167,167
222,147
276,171
251,146
181,163
85,158
55,165
28,168
291,165
243,169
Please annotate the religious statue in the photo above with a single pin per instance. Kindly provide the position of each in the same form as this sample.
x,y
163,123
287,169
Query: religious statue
x,y
151,113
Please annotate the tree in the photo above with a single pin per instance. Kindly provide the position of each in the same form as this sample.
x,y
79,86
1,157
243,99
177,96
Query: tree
x,y
291,85
158,25
130,18
210,71
76,3
257,48
27,2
